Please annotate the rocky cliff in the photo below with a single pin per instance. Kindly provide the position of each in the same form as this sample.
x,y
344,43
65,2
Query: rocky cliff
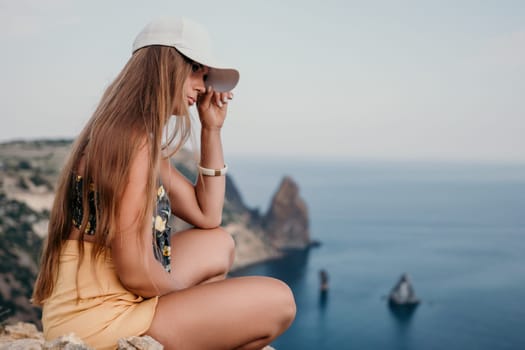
x,y
28,175
286,222
19,255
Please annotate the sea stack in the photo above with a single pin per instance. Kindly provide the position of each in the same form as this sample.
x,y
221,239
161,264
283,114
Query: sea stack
x,y
287,222
323,277
403,293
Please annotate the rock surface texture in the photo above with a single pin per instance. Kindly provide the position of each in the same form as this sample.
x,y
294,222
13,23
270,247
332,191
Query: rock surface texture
x,y
25,336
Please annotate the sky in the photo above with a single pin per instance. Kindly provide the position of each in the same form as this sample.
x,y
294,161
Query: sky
x,y
390,80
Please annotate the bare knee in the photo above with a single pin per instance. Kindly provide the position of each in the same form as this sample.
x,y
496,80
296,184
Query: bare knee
x,y
227,246
282,306
288,307
224,247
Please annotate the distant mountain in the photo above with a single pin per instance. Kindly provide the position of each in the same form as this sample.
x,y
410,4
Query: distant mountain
x,y
28,176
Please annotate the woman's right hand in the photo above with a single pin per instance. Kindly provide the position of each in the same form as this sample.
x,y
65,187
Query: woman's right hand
x,y
212,107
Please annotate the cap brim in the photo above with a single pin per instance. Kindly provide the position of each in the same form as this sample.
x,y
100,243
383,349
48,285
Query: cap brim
x,y
220,78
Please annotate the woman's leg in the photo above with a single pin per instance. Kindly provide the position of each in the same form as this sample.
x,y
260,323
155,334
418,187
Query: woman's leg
x,y
199,256
237,313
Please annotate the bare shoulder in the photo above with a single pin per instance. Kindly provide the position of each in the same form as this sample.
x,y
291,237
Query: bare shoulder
x,y
140,163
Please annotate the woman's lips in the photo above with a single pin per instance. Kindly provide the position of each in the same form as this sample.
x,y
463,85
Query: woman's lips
x,y
191,100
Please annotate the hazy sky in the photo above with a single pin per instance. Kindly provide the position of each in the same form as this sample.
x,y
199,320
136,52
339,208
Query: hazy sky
x,y
342,79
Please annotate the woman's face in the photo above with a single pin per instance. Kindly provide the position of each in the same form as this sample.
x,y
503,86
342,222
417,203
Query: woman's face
x,y
195,82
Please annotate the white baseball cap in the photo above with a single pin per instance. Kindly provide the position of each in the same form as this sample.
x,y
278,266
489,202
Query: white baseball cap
x,y
192,40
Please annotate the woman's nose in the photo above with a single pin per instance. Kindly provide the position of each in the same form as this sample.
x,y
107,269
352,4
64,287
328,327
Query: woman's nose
x,y
200,86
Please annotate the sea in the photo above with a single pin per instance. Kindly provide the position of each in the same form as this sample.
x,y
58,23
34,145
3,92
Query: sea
x,y
457,229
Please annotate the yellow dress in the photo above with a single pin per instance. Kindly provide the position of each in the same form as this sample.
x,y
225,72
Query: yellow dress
x,y
100,311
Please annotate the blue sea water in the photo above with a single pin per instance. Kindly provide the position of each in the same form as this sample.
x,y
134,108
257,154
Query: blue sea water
x,y
457,229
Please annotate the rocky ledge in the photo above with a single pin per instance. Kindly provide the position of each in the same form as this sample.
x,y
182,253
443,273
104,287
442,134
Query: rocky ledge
x,y
25,336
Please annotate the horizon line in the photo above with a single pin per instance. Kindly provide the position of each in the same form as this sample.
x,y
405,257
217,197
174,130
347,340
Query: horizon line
x,y
323,158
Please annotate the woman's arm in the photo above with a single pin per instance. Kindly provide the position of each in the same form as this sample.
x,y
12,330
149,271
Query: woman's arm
x,y
201,204
131,247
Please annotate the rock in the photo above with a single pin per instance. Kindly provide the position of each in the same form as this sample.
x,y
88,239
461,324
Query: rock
x,y
21,336
287,223
22,330
25,336
323,276
403,293
66,342
139,343
22,344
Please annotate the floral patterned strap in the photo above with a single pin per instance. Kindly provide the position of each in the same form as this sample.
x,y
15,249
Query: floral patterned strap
x,y
77,208
162,230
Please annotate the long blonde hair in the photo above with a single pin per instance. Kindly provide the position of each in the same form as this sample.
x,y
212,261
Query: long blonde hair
x,y
134,109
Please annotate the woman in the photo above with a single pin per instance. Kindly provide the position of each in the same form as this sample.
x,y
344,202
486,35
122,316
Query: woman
x,y
100,277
